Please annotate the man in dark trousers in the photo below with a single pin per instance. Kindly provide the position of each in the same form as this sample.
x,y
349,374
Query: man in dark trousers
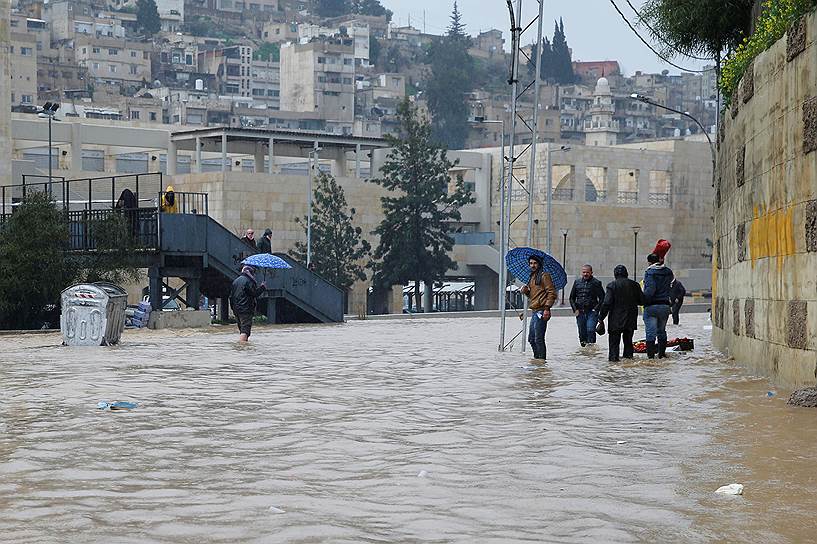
x,y
265,243
620,306
243,295
586,297
677,294
657,280
541,295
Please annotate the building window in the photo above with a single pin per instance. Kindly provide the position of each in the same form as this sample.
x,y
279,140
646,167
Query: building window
x,y
96,66
133,68
26,51
95,50
84,50
133,54
134,114
112,68
145,55
153,116
348,62
321,60
347,81
26,99
113,51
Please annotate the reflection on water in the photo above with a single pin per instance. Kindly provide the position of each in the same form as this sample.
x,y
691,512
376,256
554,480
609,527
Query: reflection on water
x,y
380,431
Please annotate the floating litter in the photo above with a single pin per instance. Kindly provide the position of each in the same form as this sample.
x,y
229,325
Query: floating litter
x,y
275,510
422,474
731,489
116,405
621,442
770,394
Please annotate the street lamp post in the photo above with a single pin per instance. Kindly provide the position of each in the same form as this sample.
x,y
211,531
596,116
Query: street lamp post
x,y
313,155
50,110
635,228
646,100
550,191
564,259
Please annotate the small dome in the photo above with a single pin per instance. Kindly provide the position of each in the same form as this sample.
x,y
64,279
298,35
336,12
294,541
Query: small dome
x,y
602,86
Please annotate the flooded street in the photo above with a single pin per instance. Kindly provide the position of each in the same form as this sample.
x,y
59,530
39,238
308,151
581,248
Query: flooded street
x,y
394,431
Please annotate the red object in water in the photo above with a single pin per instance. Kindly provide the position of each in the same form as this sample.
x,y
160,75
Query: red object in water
x,y
687,344
662,248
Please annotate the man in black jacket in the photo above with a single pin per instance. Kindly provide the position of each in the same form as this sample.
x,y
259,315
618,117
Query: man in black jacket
x,y
243,295
586,297
265,243
677,294
621,305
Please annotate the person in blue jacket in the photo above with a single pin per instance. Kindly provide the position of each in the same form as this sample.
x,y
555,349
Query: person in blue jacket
x,y
657,295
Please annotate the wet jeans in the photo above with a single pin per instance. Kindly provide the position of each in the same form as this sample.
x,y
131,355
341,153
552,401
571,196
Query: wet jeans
x,y
655,322
536,335
586,322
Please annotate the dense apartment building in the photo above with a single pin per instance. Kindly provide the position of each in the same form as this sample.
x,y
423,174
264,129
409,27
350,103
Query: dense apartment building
x,y
354,29
114,61
265,85
319,76
23,68
232,68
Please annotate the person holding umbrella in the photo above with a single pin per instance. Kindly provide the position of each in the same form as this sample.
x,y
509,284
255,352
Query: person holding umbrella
x,y
243,295
541,295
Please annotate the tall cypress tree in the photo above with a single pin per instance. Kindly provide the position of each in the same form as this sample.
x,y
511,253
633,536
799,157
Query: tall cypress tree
x,y
452,75
547,71
562,61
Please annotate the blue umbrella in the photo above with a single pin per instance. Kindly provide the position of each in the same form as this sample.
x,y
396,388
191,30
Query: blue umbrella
x,y
517,262
265,260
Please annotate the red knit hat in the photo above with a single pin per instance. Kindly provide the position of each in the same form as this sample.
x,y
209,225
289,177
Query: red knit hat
x,y
662,248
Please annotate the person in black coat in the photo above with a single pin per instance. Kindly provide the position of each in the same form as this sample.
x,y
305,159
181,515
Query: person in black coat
x,y
243,295
677,294
586,297
620,306
265,243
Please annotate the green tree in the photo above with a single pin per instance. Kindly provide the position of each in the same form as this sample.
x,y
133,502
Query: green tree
x,y
332,8
337,247
374,50
114,247
147,16
547,70
705,28
561,57
371,7
414,233
33,265
452,75
268,52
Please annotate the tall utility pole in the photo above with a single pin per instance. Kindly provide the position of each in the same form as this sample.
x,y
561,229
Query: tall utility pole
x,y
313,164
523,187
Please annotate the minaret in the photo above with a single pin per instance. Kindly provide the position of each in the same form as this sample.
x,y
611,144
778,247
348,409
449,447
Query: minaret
x,y
601,130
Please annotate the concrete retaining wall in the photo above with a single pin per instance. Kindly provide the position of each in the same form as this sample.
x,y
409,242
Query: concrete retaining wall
x,y
185,319
764,281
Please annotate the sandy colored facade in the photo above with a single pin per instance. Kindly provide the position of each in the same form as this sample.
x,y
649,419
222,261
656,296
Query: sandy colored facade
x,y
764,287
5,92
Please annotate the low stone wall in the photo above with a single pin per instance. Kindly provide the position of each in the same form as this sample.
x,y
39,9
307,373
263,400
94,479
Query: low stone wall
x,y
184,319
764,281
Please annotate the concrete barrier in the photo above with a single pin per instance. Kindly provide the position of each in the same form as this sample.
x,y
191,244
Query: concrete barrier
x,y
183,319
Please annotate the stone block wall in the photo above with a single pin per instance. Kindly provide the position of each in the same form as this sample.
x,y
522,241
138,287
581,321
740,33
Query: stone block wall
x,y
765,286
5,94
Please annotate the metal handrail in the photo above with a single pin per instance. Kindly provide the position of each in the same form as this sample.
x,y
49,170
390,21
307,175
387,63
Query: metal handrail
x,y
188,202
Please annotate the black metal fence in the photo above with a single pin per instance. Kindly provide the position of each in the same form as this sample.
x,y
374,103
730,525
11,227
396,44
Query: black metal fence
x,y
141,224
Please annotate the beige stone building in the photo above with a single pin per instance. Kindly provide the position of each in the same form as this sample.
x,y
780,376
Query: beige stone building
x,y
319,76
5,92
114,61
232,67
23,69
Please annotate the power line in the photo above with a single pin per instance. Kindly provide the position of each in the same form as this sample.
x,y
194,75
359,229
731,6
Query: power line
x,y
657,35
651,48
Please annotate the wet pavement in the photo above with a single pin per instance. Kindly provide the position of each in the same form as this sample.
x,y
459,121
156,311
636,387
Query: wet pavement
x,y
394,431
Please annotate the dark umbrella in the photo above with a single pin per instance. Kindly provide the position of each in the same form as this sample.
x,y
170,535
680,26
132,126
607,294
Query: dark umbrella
x,y
517,262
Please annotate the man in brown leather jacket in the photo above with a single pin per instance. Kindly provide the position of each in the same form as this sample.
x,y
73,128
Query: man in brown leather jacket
x,y
541,295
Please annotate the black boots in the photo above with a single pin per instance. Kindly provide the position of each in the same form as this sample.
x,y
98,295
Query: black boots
x,y
651,349
662,349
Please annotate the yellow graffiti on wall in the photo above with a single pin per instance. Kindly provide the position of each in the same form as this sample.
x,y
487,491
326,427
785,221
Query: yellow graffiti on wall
x,y
772,235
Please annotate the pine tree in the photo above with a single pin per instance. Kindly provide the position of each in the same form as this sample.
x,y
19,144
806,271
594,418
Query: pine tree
x,y
337,247
33,265
414,239
332,8
547,70
452,75
147,16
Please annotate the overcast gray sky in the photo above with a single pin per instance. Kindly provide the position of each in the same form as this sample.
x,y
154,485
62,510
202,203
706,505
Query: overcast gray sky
x,y
594,30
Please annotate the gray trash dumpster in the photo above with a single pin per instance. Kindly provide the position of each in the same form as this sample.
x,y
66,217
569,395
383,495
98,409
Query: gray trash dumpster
x,y
93,314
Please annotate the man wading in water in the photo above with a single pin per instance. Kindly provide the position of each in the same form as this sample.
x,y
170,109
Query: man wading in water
x,y
541,296
242,298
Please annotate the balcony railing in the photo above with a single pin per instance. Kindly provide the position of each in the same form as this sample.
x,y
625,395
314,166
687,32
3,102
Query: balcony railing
x,y
628,197
663,200
563,194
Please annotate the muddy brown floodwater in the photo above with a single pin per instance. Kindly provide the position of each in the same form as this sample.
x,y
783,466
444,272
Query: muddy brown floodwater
x,y
394,431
